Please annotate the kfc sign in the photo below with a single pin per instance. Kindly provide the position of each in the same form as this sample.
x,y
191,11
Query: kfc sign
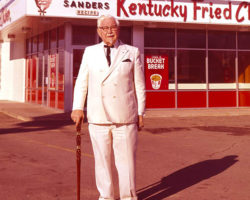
x,y
42,5
188,11
231,12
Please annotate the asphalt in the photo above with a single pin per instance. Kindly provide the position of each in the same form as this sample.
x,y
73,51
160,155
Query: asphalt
x,y
183,154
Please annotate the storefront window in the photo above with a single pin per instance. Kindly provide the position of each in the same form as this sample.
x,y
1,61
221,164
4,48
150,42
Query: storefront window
x,y
34,79
61,71
191,69
61,37
221,67
34,44
29,46
40,42
244,40
125,34
221,40
159,37
40,77
244,69
34,70
28,78
191,38
83,35
53,38
52,78
198,65
45,80
52,71
45,68
46,40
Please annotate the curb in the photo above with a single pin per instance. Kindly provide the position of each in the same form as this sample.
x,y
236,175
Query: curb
x,y
16,116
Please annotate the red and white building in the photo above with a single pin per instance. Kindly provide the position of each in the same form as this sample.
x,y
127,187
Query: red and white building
x,y
196,54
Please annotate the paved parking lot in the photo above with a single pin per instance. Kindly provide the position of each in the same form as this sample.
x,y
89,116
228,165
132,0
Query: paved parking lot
x,y
179,157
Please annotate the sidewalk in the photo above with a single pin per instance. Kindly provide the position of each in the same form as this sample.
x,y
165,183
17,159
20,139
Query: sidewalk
x,y
28,111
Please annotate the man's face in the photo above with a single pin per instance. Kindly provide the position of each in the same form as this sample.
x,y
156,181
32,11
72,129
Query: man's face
x,y
108,31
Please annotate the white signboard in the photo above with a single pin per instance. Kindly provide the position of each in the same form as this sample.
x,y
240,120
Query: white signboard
x,y
71,9
179,11
10,11
186,11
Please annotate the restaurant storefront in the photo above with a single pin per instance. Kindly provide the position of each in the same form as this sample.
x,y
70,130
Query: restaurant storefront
x,y
196,54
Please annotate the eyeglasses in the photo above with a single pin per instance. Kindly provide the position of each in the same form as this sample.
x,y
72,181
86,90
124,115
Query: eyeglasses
x,y
107,28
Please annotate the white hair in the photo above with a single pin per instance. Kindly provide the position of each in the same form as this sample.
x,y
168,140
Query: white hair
x,y
101,18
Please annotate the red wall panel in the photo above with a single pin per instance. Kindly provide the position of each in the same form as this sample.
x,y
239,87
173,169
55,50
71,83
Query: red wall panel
x,y
39,97
191,99
160,100
244,98
222,98
33,96
60,100
52,99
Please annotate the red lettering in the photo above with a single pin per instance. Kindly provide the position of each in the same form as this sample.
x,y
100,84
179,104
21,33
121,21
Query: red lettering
x,y
166,13
228,11
120,8
159,12
183,12
94,5
244,5
73,4
195,10
150,8
106,6
204,10
100,5
142,8
217,13
173,9
211,10
248,11
80,5
88,5
132,8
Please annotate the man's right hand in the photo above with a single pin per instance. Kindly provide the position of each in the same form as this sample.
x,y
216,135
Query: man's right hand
x,y
77,117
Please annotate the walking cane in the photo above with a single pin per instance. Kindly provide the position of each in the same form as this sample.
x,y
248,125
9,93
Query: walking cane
x,y
78,162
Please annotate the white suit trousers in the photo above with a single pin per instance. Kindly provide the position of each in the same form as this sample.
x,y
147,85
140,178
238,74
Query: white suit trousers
x,y
123,139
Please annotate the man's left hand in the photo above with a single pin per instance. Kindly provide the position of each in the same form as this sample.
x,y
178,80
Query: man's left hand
x,y
140,122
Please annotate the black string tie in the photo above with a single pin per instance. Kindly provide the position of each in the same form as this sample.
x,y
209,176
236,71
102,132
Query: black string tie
x,y
108,53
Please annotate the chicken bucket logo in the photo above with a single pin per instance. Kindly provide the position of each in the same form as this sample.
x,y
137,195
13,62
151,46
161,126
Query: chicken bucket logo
x,y
42,5
156,81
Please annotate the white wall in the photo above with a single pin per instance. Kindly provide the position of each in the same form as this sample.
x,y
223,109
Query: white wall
x,y
13,71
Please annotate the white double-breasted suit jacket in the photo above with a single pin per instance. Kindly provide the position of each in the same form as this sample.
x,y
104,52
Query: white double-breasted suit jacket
x,y
115,93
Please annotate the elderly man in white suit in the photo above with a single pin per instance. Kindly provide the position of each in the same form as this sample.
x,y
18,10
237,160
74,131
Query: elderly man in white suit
x,y
112,78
